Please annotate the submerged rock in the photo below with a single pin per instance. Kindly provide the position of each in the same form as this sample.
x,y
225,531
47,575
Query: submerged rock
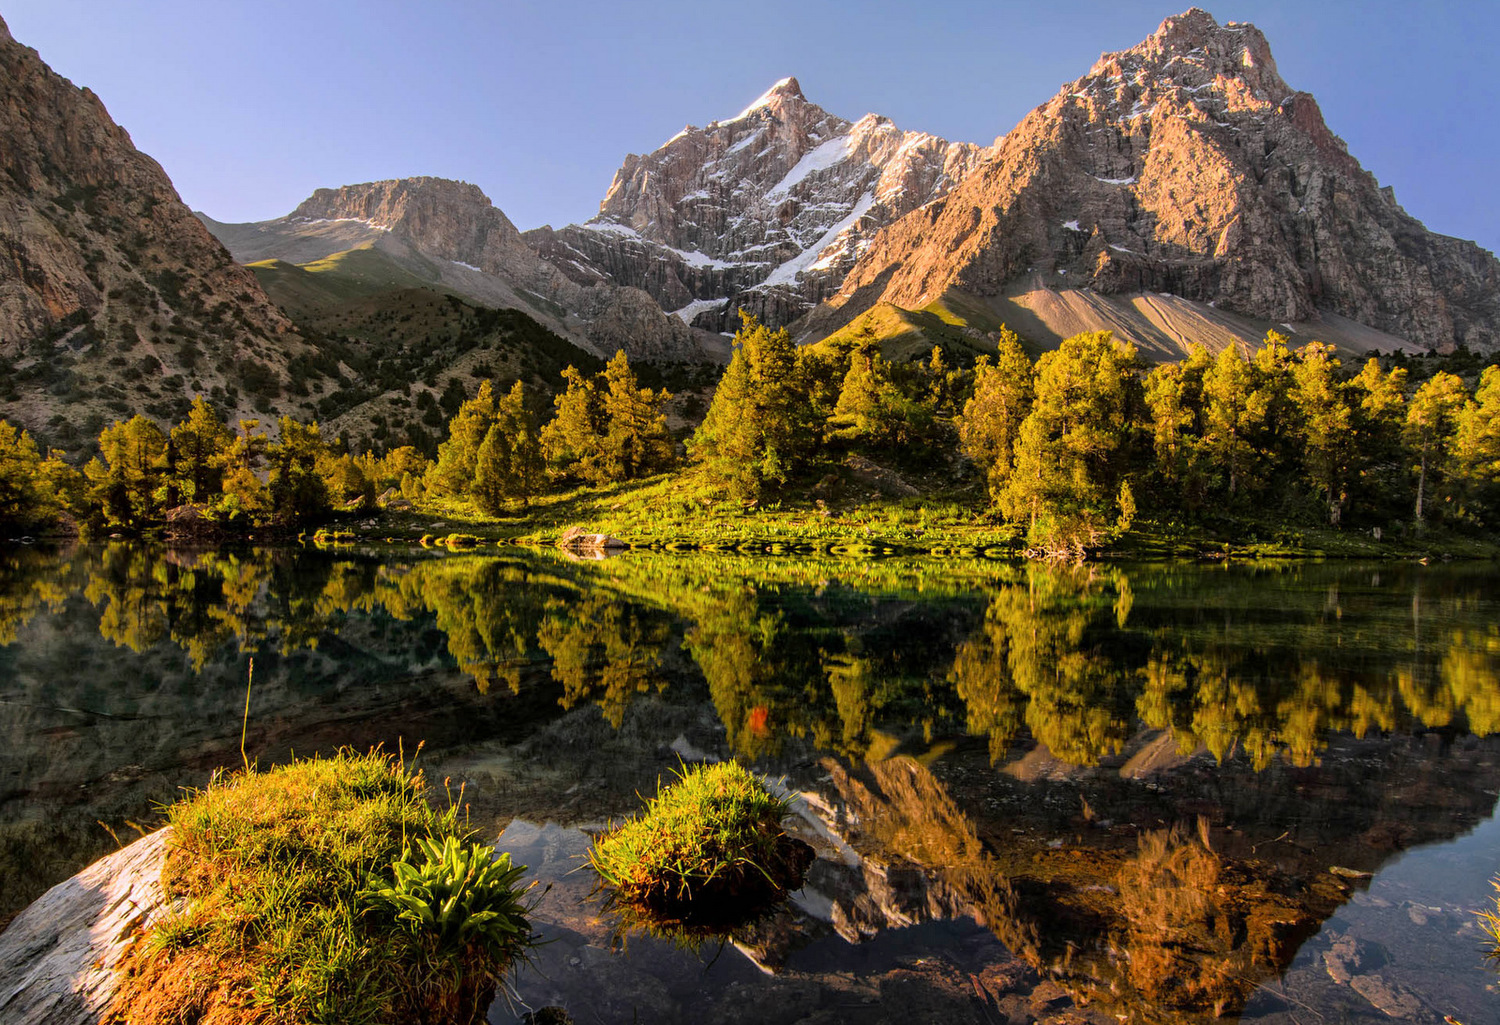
x,y
59,956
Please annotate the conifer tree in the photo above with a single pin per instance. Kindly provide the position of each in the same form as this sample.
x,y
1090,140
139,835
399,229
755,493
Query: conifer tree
x,y
1234,411
1476,447
29,487
1274,439
298,491
637,443
244,495
864,411
575,435
454,470
992,417
1476,444
760,428
1430,421
1325,424
509,462
198,445
1068,484
947,384
1380,408
347,481
126,487
1174,400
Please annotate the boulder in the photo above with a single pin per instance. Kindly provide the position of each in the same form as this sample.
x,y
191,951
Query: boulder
x,y
58,958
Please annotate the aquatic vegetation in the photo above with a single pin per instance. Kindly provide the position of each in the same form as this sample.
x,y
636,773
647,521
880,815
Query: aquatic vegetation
x,y
297,900
1489,922
707,856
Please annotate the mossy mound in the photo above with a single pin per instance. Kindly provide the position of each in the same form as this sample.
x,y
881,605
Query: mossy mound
x,y
708,855
330,891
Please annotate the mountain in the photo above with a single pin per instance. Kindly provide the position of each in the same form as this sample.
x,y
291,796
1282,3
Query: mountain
x,y
449,236
113,297
766,211
1180,190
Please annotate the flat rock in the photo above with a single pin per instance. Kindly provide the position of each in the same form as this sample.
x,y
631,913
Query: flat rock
x,y
1348,957
58,957
1396,1000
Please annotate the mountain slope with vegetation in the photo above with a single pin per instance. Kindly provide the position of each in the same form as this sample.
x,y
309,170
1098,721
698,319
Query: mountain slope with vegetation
x,y
113,297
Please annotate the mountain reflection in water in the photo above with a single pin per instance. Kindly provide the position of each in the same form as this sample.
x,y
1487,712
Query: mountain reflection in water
x,y
1135,777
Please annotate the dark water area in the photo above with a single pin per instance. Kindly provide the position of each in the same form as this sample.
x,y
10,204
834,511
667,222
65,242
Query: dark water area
x,y
1100,794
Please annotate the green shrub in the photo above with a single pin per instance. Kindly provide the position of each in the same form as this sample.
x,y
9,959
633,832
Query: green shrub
x,y
462,894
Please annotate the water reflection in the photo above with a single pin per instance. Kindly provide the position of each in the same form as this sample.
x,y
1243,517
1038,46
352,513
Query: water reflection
x,y
1058,654
1030,748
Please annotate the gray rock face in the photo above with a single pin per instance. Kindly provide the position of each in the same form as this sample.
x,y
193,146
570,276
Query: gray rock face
x,y
767,210
449,233
1187,165
58,958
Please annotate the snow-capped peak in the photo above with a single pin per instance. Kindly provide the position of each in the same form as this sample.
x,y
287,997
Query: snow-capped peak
x,y
786,87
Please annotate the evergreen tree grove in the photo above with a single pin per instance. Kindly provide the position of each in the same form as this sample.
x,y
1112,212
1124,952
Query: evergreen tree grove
x,y
509,463
1430,422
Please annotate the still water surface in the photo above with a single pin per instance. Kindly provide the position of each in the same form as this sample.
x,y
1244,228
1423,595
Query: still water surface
x,y
1067,795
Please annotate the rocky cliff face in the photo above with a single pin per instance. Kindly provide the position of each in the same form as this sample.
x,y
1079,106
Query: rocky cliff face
x,y
103,270
1186,165
767,210
452,236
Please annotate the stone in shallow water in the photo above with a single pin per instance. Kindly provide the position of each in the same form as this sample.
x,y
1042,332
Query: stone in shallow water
x,y
1348,957
1393,998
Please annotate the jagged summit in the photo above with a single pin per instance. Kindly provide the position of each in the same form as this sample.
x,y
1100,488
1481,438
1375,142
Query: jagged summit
x,y
787,90
765,211
1183,167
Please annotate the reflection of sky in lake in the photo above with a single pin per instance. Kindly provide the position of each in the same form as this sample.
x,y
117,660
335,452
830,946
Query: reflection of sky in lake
x,y
975,742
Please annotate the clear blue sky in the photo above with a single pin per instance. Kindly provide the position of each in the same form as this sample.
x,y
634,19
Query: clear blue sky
x,y
251,106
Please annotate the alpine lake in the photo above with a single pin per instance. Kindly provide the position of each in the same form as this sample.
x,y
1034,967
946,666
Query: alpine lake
x,y
1110,793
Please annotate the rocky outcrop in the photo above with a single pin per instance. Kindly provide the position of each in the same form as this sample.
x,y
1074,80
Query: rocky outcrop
x,y
765,211
1186,165
58,959
100,258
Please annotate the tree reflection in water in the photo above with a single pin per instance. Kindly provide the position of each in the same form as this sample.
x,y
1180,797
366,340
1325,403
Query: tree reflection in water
x,y
874,668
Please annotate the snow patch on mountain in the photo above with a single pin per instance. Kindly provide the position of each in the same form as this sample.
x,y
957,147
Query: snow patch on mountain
x,y
821,159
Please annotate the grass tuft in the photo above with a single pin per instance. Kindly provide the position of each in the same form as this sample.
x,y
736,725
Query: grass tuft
x,y
303,894
707,856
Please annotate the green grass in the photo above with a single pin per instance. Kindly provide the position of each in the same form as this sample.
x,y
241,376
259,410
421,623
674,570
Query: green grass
x,y
910,334
684,512
311,288
707,855
293,907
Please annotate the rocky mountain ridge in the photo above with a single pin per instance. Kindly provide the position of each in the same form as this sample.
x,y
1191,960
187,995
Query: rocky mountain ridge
x,y
765,211
1186,166
450,235
113,297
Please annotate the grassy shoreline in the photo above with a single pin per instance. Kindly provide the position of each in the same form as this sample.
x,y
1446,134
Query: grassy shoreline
x,y
673,514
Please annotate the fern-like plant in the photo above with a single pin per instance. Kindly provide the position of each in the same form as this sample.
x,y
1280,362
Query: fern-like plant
x,y
458,894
